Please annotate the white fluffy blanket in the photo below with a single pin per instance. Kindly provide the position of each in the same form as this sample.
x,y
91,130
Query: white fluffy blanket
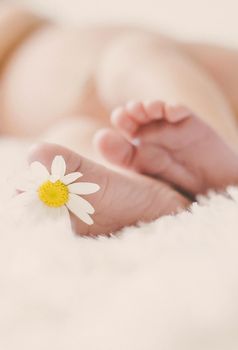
x,y
168,285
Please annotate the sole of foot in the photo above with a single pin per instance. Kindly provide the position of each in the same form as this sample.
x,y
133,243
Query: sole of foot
x,y
123,200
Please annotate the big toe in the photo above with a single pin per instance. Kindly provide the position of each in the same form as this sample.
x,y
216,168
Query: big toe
x,y
92,173
122,200
114,147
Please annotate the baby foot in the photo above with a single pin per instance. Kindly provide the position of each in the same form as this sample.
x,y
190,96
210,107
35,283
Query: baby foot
x,y
122,200
171,143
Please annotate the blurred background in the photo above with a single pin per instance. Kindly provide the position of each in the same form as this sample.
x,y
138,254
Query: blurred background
x,y
207,20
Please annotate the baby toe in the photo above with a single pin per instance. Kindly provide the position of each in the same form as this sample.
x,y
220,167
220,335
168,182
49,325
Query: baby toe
x,y
123,122
137,112
176,113
114,147
154,110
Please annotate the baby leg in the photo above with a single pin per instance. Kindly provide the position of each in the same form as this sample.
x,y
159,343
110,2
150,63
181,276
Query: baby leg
x,y
222,65
15,25
143,66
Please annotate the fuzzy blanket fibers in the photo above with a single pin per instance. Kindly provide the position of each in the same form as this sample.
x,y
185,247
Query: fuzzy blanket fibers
x,y
168,285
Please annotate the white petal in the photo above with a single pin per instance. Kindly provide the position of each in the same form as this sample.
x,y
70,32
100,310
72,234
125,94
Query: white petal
x,y
38,172
66,216
60,215
26,185
78,203
25,198
82,215
53,213
54,178
23,182
59,218
23,206
42,212
68,179
83,188
58,167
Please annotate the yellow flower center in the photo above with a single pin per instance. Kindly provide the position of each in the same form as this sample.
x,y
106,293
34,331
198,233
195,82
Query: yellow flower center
x,y
53,194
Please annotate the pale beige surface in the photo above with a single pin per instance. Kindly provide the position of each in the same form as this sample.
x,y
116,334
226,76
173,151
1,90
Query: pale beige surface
x,y
212,20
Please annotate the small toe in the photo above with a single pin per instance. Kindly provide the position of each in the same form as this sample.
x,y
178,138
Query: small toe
x,y
154,110
114,147
123,122
137,112
177,113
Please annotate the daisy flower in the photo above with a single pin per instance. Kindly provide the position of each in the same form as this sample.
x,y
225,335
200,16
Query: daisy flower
x,y
57,193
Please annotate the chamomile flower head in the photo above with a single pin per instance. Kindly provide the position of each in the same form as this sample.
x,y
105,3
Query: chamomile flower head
x,y
57,192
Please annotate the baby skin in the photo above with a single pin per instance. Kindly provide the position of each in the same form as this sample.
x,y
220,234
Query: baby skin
x,y
170,143
164,142
123,200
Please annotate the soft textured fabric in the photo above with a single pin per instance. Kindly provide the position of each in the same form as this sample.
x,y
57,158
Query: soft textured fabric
x,y
168,285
